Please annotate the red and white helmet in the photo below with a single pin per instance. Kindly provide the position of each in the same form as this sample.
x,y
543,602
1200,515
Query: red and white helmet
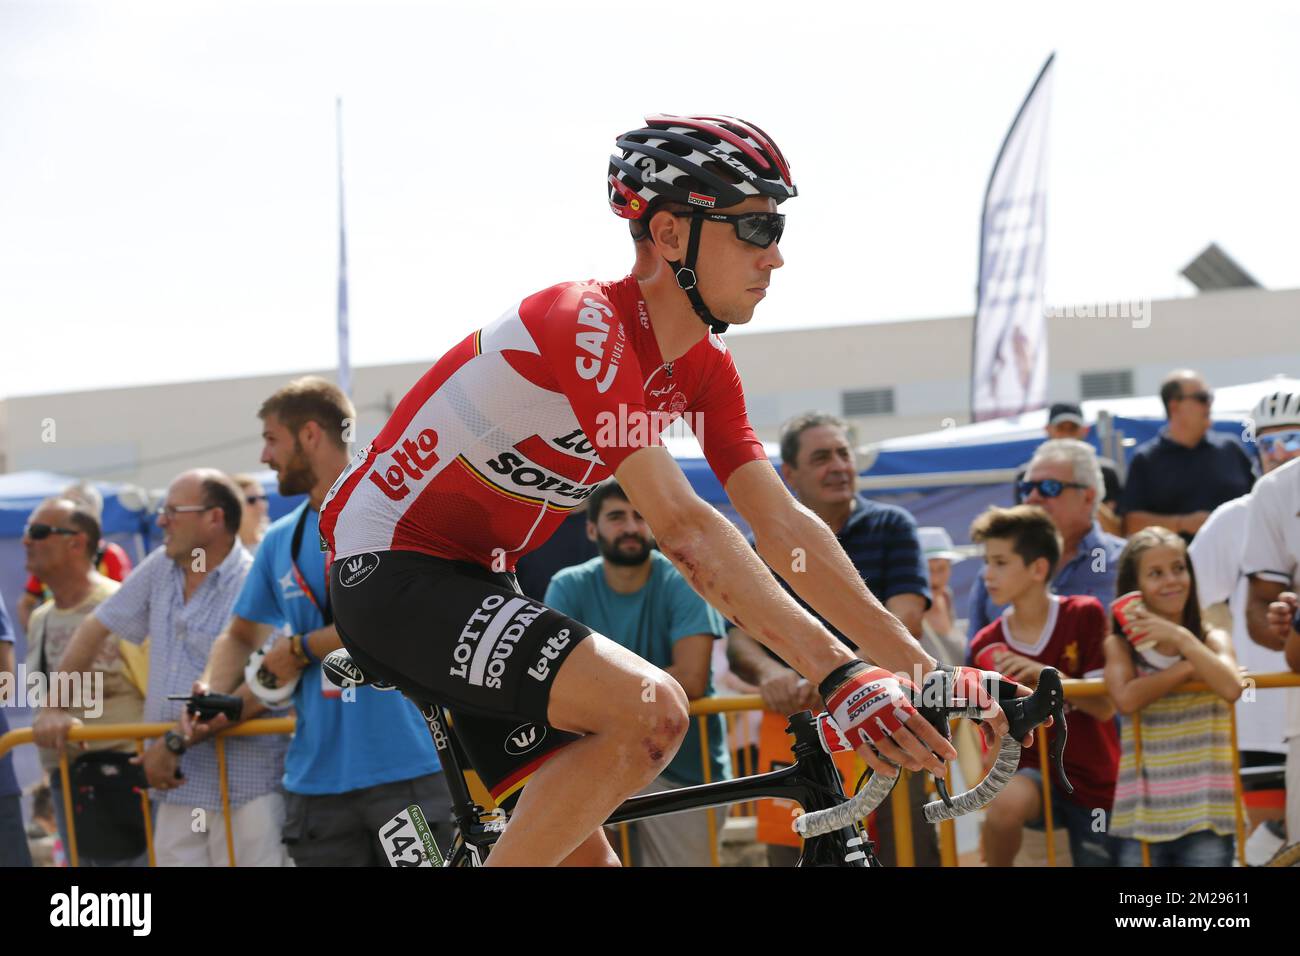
x,y
705,161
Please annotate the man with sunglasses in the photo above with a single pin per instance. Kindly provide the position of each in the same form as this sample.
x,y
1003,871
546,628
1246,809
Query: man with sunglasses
x,y
110,559
1065,420
257,507
509,432
1218,557
1177,478
61,541
1064,479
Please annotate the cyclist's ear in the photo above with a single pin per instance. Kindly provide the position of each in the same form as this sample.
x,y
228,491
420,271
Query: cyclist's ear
x,y
669,234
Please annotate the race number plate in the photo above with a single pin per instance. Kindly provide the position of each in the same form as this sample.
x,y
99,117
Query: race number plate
x,y
408,841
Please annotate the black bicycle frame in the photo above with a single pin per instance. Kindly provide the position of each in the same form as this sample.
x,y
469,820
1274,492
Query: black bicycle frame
x,y
812,781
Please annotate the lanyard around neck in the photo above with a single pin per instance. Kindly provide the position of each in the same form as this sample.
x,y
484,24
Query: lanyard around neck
x,y
326,613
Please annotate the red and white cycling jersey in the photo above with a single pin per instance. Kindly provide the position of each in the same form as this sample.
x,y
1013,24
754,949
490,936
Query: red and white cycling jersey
x,y
512,428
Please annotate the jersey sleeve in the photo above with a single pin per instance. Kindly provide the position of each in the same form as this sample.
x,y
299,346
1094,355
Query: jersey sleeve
x,y
722,423
583,340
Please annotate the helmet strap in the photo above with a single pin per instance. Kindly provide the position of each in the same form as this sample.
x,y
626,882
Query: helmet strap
x,y
686,280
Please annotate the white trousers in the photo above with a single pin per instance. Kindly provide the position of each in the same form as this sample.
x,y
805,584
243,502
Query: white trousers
x,y
196,836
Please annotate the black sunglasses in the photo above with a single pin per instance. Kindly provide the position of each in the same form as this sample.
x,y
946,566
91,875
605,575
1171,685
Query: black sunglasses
x,y
756,228
39,532
1205,398
1048,487
254,499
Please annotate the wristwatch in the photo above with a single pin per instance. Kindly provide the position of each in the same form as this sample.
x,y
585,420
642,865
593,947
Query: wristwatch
x,y
174,742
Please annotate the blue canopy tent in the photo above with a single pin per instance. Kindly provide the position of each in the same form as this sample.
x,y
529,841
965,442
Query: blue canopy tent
x,y
129,520
946,478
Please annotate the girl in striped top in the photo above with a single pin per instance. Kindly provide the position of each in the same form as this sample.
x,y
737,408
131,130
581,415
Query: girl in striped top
x,y
1175,788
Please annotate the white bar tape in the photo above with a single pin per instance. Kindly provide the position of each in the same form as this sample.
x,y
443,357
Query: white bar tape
x,y
983,793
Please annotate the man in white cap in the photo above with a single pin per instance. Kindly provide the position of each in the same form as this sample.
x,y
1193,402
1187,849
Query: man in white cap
x,y
1065,420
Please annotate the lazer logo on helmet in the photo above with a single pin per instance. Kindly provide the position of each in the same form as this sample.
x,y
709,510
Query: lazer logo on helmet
x,y
593,341
731,161
412,460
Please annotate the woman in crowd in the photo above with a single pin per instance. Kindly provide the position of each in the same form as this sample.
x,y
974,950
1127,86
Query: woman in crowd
x,y
943,634
1174,794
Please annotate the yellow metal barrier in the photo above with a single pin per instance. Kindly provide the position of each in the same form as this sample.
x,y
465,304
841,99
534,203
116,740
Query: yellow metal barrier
x,y
905,851
140,733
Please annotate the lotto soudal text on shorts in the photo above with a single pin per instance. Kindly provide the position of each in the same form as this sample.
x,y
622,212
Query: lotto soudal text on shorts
x,y
489,637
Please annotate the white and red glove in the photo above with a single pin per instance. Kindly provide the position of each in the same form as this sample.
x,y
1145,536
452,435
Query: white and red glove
x,y
971,685
867,704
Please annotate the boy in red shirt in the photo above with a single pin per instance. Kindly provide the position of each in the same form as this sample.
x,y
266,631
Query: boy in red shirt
x,y
1040,629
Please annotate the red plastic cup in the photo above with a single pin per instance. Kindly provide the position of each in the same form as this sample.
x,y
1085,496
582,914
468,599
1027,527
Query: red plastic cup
x,y
986,659
1123,609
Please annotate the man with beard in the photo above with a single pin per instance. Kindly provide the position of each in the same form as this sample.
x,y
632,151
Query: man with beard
x,y
356,758
633,595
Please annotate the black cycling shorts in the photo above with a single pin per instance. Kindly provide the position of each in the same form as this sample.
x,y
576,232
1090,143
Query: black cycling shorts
x,y
464,637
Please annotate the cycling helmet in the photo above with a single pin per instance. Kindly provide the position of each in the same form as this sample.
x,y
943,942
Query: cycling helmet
x,y
704,161
1277,408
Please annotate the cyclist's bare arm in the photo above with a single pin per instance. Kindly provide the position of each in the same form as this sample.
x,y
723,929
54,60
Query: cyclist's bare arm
x,y
721,566
908,608
799,546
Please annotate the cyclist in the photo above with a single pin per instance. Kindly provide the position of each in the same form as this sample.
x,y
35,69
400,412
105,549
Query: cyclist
x,y
507,434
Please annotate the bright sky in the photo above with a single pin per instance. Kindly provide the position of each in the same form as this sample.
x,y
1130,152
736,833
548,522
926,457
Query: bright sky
x,y
167,170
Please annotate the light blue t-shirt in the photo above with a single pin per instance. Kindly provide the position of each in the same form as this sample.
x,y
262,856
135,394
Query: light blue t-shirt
x,y
340,744
649,623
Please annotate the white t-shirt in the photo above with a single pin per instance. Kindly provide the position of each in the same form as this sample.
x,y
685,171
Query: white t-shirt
x,y
1216,557
1272,549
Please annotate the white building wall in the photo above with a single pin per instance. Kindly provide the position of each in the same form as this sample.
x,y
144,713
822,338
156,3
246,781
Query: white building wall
x,y
146,435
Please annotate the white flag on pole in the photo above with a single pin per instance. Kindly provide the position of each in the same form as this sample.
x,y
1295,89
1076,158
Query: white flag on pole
x,y
345,362
1009,362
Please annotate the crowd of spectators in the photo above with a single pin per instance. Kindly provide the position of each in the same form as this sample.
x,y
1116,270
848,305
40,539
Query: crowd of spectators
x,y
1151,765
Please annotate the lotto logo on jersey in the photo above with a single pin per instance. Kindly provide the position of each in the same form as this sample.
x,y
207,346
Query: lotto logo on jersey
x,y
601,362
412,460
